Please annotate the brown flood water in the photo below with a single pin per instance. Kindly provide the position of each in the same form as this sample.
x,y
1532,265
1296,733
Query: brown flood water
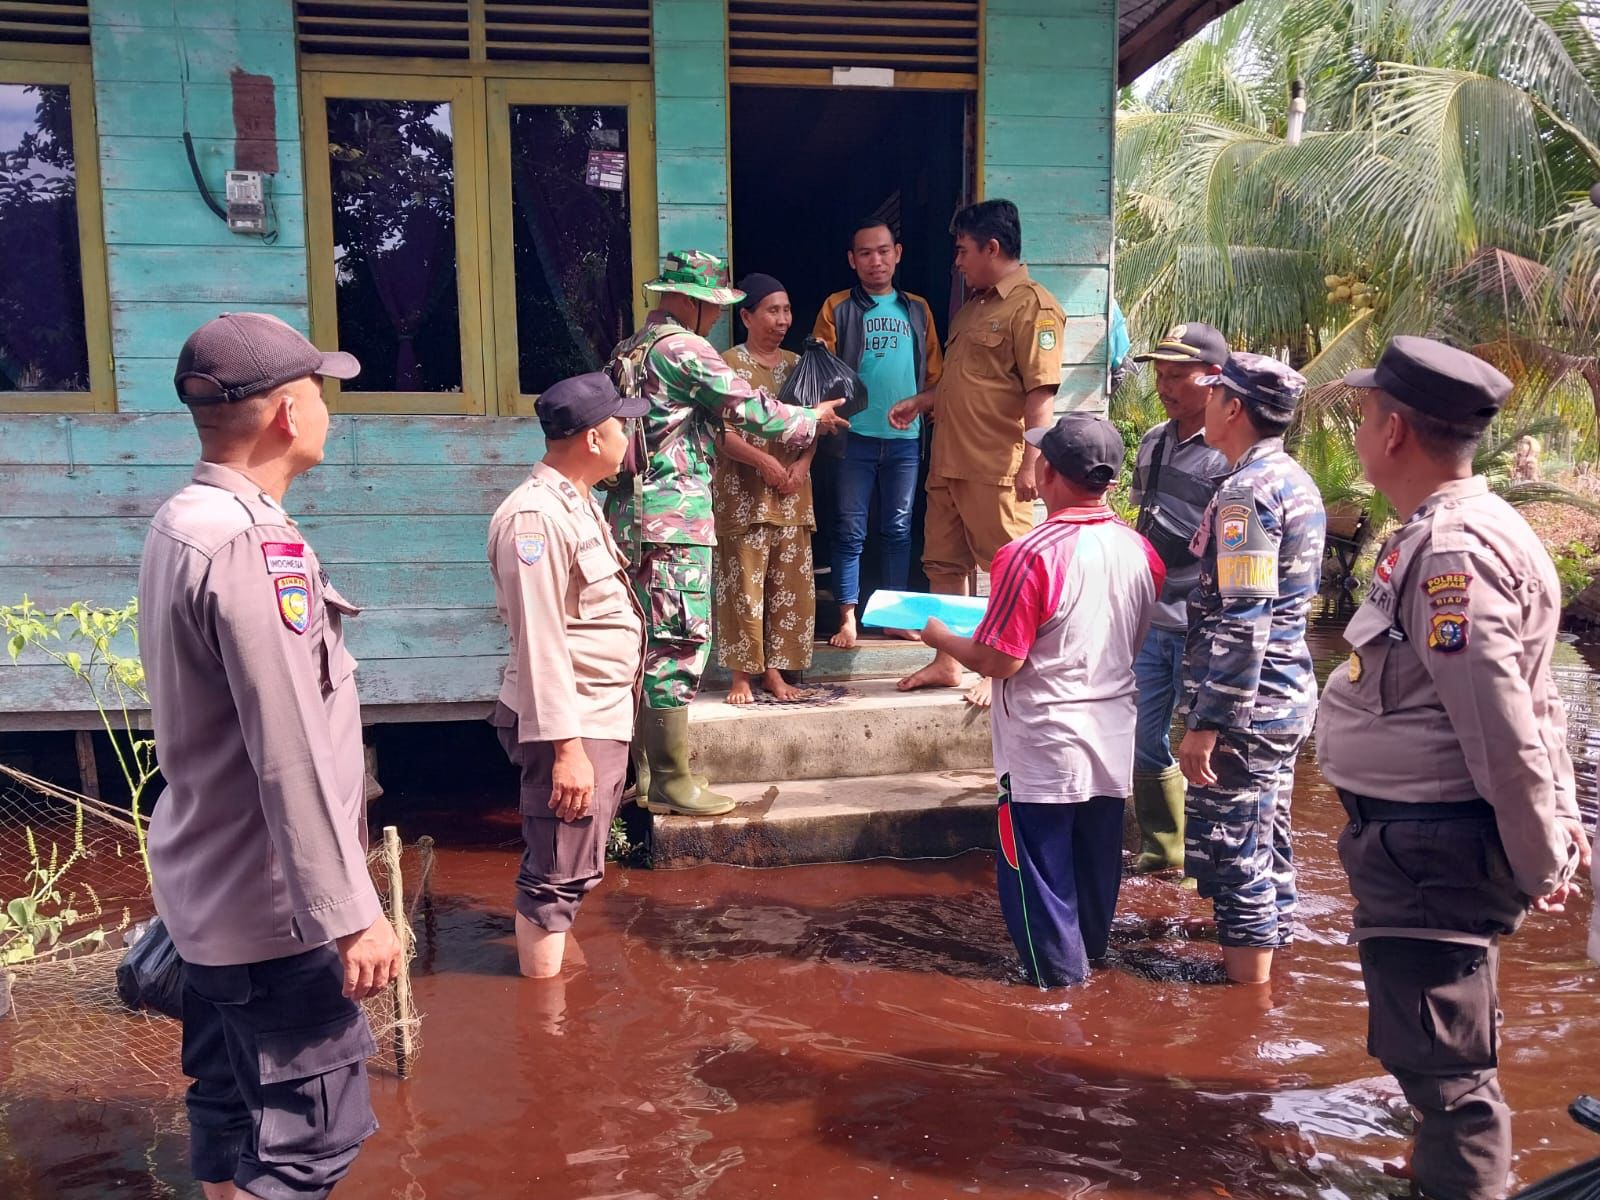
x,y
859,1031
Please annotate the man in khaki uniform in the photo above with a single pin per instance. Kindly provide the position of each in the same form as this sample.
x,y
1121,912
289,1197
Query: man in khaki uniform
x,y
258,845
569,693
1001,373
1446,738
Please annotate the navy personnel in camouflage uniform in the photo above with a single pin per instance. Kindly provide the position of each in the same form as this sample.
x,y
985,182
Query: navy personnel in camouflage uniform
x,y
661,514
1249,690
1447,741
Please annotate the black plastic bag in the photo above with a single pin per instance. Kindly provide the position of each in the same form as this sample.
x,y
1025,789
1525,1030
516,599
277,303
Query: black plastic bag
x,y
150,975
821,375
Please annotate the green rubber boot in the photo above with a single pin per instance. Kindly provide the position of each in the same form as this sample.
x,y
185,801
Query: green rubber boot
x,y
1158,807
640,791
664,733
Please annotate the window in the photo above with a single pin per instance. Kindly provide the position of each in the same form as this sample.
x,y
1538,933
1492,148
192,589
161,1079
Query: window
x,y
55,345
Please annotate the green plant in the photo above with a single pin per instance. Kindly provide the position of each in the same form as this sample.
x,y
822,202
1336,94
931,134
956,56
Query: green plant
x,y
86,641
32,924
1575,567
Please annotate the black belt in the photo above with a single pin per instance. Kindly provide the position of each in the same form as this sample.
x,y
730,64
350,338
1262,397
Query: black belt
x,y
1369,808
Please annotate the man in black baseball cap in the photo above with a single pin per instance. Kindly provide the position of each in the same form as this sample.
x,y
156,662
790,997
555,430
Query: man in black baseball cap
x,y
1175,474
258,848
566,708
1446,739
1069,607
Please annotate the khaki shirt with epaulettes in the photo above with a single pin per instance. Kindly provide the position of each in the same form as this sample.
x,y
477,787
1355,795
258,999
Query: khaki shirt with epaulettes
x,y
1447,694
1004,343
258,845
576,629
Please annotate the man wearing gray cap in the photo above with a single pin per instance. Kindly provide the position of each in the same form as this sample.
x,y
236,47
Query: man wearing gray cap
x,y
258,845
567,700
1249,693
1070,604
1446,738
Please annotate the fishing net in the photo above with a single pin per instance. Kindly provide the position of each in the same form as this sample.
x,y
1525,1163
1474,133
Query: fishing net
x,y
65,1030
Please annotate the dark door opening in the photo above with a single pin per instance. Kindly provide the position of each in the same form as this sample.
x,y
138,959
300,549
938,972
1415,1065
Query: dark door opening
x,y
808,163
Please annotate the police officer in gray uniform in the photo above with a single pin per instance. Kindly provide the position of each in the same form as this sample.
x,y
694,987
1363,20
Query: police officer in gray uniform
x,y
1249,690
258,846
1446,738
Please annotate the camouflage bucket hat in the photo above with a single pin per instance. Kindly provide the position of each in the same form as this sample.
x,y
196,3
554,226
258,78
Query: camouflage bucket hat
x,y
697,274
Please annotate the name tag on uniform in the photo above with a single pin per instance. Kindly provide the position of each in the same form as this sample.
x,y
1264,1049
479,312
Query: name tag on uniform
x,y
284,558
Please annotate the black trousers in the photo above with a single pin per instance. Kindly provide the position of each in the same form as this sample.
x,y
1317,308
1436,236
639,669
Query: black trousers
x,y
279,1104
1432,900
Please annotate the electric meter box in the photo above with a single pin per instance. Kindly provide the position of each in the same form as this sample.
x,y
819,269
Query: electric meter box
x,y
247,210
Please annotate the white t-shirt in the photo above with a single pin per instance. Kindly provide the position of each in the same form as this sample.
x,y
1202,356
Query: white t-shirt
x,y
1074,599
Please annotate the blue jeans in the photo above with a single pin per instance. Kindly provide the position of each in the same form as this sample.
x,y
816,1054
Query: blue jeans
x,y
1158,675
884,469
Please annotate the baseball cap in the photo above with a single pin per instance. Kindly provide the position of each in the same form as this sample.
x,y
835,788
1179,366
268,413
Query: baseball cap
x,y
1437,378
245,354
1081,447
1194,342
567,408
1260,378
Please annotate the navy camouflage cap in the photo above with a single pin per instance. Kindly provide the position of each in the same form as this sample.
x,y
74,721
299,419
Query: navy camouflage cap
x,y
1260,378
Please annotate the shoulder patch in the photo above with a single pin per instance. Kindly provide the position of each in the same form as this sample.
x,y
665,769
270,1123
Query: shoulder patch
x,y
1247,554
1385,569
1455,581
1447,632
294,601
284,557
530,547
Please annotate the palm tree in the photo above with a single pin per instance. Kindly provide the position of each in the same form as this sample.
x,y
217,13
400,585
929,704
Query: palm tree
x,y
1441,188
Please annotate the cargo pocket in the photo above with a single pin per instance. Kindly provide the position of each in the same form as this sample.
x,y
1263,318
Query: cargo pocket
x,y
603,589
1431,1005
314,1095
337,662
680,597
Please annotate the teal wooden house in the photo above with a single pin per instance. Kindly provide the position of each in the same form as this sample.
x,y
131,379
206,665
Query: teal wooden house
x,y
468,195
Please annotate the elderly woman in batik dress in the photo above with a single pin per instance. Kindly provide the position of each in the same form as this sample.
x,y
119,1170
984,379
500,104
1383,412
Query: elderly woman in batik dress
x,y
766,598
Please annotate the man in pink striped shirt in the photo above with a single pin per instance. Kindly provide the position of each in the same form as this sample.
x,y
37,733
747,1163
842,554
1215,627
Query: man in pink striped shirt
x,y
1070,604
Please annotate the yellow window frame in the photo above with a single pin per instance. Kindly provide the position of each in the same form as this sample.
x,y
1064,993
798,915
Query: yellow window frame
x,y
502,95
79,80
466,124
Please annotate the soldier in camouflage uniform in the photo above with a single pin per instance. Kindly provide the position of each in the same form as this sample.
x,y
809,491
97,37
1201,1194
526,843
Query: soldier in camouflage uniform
x,y
1250,696
660,511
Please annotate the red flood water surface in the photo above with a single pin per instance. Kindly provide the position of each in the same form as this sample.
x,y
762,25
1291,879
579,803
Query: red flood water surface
x,y
860,1031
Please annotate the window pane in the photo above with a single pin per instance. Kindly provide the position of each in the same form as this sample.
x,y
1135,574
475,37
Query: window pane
x,y
392,172
42,342
573,254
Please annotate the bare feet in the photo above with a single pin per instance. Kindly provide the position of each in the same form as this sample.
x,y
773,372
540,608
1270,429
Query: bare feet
x,y
739,689
779,687
978,694
943,671
905,635
845,639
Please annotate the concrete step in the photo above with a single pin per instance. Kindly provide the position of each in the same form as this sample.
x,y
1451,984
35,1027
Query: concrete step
x,y
870,658
872,730
921,815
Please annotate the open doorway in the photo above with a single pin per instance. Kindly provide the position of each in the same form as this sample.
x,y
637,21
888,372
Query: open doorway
x,y
808,163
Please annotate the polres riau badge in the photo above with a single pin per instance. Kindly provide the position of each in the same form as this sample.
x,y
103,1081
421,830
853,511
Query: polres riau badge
x,y
294,601
1447,632
530,547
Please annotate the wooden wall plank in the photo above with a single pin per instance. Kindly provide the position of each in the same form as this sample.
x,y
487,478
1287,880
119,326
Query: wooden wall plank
x,y
691,98
703,175
339,538
137,491
171,263
393,585
167,438
180,218
1049,84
